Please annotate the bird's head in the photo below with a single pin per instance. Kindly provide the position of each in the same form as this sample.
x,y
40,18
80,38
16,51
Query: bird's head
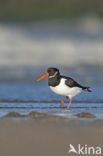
x,y
51,73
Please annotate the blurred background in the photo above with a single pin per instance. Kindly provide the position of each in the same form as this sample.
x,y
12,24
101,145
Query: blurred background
x,y
36,34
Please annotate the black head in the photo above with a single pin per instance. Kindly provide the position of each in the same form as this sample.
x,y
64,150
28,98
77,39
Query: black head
x,y
53,76
52,71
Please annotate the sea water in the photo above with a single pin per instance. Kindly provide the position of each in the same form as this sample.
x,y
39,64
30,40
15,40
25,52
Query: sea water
x,y
25,97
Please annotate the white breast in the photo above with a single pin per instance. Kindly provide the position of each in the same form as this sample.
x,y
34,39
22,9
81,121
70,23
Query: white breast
x,y
64,90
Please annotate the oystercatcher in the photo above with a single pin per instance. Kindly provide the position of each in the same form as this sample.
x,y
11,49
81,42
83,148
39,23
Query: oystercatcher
x,y
62,85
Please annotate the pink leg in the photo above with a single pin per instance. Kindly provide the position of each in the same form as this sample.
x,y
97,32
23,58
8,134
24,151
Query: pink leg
x,y
70,101
62,101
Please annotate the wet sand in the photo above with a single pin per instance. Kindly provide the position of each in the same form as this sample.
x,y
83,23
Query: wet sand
x,y
47,136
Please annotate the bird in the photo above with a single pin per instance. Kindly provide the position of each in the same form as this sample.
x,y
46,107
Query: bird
x,y
63,85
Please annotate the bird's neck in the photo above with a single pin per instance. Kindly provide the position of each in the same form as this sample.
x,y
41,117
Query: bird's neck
x,y
54,81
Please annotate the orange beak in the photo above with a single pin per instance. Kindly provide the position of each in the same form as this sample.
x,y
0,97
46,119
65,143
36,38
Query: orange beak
x,y
45,75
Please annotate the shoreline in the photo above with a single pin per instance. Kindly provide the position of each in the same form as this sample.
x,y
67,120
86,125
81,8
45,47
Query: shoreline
x,y
36,115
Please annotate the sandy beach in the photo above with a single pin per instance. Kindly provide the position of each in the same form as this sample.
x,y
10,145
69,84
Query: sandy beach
x,y
47,136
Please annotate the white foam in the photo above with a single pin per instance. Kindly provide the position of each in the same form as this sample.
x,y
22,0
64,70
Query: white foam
x,y
21,46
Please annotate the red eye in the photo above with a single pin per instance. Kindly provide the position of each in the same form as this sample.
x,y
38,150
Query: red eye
x,y
51,70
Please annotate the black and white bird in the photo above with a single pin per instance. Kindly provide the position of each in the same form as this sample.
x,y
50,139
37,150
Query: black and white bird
x,y
62,85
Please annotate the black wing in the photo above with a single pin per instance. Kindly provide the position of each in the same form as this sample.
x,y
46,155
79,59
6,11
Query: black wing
x,y
71,83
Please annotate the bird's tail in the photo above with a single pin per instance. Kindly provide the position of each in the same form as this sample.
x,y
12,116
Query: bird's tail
x,y
87,89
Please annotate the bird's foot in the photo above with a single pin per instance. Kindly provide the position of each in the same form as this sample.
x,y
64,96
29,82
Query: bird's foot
x,y
68,108
62,103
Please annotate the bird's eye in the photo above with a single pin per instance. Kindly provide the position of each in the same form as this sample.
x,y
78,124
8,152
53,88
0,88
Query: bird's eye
x,y
51,70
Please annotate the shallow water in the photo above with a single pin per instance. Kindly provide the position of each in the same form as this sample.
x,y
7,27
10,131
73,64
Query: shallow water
x,y
27,97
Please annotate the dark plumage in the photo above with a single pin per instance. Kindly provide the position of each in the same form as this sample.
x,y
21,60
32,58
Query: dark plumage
x,y
54,81
63,85
72,83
